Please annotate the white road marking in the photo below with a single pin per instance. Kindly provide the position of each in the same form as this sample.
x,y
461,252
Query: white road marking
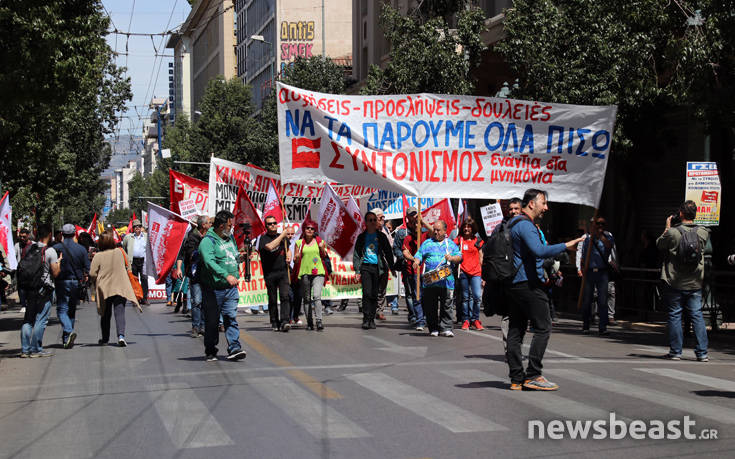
x,y
688,405
445,414
415,351
311,413
708,381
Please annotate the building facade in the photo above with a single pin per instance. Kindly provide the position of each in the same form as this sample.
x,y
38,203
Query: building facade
x,y
289,29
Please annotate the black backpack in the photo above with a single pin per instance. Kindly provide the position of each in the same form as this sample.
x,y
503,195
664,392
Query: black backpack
x,y
31,269
497,254
689,251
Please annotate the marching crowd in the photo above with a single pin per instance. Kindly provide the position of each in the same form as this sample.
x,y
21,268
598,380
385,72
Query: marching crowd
x,y
513,273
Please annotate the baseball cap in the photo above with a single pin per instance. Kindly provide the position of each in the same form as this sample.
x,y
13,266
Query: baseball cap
x,y
412,210
378,212
68,229
136,222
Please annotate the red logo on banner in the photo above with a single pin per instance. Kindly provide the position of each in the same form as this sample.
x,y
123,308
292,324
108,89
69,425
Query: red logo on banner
x,y
305,158
709,196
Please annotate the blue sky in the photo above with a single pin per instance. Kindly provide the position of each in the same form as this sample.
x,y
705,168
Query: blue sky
x,y
143,66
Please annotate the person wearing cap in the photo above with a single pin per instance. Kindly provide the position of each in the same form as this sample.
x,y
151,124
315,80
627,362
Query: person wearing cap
x,y
134,245
72,277
405,244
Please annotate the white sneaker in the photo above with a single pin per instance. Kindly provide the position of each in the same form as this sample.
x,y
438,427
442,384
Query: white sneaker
x,y
419,328
448,333
434,333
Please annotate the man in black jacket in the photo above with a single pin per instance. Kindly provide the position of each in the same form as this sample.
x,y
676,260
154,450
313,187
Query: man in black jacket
x,y
186,264
372,260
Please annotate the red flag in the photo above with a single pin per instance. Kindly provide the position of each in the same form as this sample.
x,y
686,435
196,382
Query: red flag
x,y
6,231
166,234
354,210
441,210
183,187
272,206
79,230
244,211
405,209
130,223
116,235
92,230
336,225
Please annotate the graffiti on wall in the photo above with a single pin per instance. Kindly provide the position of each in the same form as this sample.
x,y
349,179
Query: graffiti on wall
x,y
297,40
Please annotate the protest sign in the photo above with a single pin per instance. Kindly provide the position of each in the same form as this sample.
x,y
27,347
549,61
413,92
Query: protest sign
x,y
392,203
703,187
336,224
492,215
183,187
187,209
341,284
226,176
166,233
432,145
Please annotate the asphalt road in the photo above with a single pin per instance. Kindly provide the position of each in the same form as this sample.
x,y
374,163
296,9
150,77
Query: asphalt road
x,y
347,393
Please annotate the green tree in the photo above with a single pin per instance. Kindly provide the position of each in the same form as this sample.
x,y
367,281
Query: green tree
x,y
60,95
426,55
639,55
119,217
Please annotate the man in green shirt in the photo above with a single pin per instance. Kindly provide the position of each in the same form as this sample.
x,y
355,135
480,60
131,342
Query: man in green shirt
x,y
219,263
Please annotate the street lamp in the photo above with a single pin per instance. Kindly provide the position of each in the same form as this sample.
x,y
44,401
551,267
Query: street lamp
x,y
262,39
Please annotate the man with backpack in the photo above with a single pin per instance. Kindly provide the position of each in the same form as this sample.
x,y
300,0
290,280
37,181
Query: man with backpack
x,y
36,273
186,265
73,275
683,245
524,278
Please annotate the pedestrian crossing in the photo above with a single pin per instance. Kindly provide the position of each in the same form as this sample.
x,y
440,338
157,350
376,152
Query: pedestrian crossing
x,y
190,425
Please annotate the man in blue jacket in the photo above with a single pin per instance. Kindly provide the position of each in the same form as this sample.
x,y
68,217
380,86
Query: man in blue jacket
x,y
527,294
74,273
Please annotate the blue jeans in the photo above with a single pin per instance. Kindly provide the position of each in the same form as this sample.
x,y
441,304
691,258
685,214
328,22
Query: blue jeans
x,y
216,302
471,296
195,305
392,302
415,311
38,308
595,280
169,288
692,301
67,299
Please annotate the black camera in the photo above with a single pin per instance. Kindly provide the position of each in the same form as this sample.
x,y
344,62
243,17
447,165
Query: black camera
x,y
246,228
675,219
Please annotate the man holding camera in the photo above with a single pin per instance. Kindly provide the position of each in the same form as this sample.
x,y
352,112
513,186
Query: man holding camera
x,y
219,272
683,245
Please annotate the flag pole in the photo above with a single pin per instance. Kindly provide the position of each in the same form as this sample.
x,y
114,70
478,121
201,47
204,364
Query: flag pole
x,y
586,261
418,246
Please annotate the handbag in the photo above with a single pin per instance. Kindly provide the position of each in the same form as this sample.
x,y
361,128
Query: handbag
x,y
137,288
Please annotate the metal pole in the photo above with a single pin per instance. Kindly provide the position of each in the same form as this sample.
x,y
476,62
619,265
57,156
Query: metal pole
x,y
158,110
324,46
418,246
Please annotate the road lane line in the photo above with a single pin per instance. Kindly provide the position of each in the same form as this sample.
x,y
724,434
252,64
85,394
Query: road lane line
x,y
320,389
447,415
688,405
526,347
708,381
561,407
186,419
314,415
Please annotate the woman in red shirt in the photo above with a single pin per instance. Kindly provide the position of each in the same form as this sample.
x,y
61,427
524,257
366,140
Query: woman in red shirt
x,y
470,271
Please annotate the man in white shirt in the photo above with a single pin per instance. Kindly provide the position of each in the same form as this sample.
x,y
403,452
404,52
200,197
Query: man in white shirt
x,y
134,245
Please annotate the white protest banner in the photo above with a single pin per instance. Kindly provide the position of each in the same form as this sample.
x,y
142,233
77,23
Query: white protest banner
x,y
336,225
432,145
392,203
225,177
703,187
187,209
492,215
6,231
166,233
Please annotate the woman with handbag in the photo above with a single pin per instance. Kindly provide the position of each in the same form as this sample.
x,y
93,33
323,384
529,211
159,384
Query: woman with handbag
x,y
309,264
110,269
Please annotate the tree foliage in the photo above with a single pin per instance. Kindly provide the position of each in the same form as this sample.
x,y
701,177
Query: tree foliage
x,y
638,55
60,95
426,55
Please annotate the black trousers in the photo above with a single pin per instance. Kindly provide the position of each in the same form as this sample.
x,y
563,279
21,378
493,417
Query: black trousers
x,y
437,308
138,267
528,301
370,287
277,284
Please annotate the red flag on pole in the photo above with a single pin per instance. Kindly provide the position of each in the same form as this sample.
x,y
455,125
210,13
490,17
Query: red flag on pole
x,y
166,234
272,206
354,210
182,187
130,224
92,230
441,210
244,211
116,235
336,225
6,231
